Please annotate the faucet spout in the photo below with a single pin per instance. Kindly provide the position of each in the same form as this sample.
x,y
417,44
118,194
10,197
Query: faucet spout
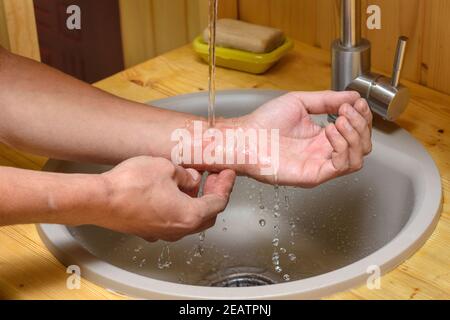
x,y
351,67
350,23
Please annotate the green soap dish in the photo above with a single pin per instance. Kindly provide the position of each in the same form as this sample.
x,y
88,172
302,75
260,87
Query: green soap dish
x,y
256,63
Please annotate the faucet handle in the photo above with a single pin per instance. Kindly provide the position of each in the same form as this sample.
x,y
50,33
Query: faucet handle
x,y
399,60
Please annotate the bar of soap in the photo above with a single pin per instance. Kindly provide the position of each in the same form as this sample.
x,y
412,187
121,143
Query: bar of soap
x,y
245,36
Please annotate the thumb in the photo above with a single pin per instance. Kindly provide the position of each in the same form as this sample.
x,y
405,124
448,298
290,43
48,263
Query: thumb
x,y
216,193
187,179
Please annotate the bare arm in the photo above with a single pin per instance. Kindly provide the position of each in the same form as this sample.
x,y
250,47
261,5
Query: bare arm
x,y
46,112
39,197
49,113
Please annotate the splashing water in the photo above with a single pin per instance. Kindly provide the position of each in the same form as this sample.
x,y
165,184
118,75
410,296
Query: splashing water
x,y
164,261
275,242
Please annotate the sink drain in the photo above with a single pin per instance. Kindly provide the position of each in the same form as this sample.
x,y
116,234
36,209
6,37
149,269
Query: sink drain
x,y
243,280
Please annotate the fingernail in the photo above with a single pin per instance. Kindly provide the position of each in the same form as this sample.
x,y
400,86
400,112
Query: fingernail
x,y
195,175
356,94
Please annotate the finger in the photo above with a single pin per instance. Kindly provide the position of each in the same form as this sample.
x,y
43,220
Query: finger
x,y
359,123
363,108
188,180
354,141
193,193
323,102
340,155
216,194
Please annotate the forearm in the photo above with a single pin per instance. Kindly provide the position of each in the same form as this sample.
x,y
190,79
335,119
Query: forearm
x,y
51,114
41,197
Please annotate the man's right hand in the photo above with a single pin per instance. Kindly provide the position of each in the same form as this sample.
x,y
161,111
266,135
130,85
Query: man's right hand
x,y
156,200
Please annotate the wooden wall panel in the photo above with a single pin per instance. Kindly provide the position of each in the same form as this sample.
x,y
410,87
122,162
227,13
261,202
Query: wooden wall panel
x,y
316,22
137,31
153,27
436,44
327,22
228,9
400,17
255,11
21,28
170,22
4,37
197,13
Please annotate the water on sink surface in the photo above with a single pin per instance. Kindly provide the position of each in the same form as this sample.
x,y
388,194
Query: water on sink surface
x,y
286,234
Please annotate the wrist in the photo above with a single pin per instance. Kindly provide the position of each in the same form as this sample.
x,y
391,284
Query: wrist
x,y
85,202
215,149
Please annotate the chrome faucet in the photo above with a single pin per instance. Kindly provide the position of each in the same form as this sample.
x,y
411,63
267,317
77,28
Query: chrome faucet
x,y
351,67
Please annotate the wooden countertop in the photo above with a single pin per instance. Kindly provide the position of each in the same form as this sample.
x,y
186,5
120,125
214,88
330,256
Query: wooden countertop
x,y
29,271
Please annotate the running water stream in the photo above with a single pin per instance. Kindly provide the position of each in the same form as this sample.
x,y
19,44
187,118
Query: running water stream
x,y
213,10
164,260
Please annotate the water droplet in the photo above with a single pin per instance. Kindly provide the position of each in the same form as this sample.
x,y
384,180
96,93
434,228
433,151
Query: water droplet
x,y
262,207
276,242
276,207
276,214
201,236
292,257
287,277
262,223
198,251
134,258
164,261
286,201
225,229
142,263
278,269
276,258
283,250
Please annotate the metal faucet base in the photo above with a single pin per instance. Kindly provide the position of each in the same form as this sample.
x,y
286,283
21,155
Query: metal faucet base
x,y
348,63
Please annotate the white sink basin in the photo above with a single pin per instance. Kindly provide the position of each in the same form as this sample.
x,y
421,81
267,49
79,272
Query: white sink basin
x,y
329,238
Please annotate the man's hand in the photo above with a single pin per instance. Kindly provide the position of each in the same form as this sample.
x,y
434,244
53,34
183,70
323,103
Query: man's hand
x,y
154,199
309,154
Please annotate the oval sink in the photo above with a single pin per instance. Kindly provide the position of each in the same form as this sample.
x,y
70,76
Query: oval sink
x,y
325,240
